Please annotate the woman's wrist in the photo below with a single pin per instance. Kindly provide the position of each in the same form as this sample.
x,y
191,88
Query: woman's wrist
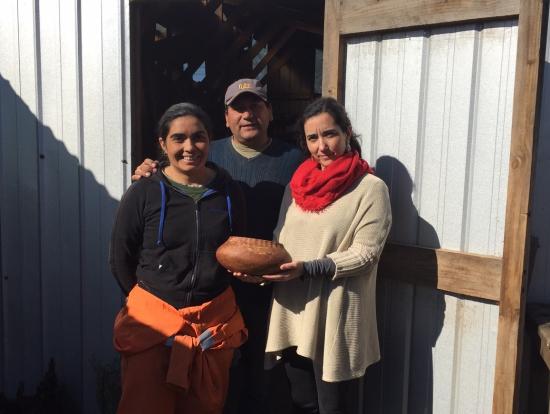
x,y
324,267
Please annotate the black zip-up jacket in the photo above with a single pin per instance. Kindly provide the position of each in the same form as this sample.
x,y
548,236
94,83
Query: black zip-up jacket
x,y
170,250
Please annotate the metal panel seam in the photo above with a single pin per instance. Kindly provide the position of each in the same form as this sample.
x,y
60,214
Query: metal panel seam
x,y
376,94
81,178
421,141
39,137
470,145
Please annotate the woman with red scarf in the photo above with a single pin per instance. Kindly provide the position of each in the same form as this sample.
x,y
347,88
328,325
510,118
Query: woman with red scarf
x,y
334,220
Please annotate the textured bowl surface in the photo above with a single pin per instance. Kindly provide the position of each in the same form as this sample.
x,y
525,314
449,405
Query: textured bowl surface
x,y
252,256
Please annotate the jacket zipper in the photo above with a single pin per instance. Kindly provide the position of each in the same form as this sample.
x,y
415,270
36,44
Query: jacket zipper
x,y
189,294
197,253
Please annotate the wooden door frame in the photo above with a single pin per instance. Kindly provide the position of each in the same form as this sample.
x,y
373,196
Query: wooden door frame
x,y
349,18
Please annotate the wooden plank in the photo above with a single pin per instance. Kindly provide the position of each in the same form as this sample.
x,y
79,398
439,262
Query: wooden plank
x,y
213,43
513,284
307,27
216,81
451,271
333,53
243,39
279,61
219,78
359,16
273,50
262,42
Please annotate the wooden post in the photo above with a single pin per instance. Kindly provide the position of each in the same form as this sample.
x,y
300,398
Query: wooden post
x,y
514,267
333,59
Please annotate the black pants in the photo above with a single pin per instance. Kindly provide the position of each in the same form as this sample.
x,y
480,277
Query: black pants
x,y
252,389
311,395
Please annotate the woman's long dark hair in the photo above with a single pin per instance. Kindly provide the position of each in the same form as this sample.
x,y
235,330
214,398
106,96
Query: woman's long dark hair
x,y
335,109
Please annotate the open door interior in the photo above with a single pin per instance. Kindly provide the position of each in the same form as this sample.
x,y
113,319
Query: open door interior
x,y
191,51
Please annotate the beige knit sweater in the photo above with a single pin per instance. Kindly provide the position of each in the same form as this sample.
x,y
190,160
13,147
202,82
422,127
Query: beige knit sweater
x,y
332,321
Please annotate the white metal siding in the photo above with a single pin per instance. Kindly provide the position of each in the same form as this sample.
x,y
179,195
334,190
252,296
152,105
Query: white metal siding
x,y
439,102
434,111
63,133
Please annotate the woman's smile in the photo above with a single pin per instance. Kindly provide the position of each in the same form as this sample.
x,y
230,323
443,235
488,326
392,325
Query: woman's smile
x,y
186,147
189,158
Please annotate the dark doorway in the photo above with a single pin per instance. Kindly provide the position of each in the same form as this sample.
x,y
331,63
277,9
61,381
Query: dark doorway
x,y
190,50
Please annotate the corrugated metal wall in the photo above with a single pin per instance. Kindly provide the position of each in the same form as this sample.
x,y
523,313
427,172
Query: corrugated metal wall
x,y
63,136
434,110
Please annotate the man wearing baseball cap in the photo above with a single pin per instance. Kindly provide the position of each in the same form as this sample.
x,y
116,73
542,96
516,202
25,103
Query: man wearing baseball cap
x,y
263,166
241,86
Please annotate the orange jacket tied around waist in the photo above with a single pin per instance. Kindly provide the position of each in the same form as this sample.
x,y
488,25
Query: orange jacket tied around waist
x,y
147,321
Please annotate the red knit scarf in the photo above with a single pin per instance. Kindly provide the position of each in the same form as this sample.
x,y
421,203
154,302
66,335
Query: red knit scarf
x,y
314,189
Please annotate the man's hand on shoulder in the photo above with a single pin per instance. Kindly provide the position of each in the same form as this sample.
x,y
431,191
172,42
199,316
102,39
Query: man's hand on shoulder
x,y
145,169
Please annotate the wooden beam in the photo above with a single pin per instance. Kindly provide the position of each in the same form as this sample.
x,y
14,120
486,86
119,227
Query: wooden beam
x,y
262,42
212,5
244,63
212,44
307,27
359,16
280,60
513,284
333,52
218,81
273,50
455,272
243,38
306,19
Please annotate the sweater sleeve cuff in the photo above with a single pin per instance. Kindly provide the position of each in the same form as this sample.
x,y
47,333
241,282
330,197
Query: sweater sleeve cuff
x,y
319,268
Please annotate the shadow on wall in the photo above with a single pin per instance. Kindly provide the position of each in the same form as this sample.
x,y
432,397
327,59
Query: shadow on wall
x,y
410,316
58,296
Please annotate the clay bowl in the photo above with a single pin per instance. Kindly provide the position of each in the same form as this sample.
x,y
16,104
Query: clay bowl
x,y
252,256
